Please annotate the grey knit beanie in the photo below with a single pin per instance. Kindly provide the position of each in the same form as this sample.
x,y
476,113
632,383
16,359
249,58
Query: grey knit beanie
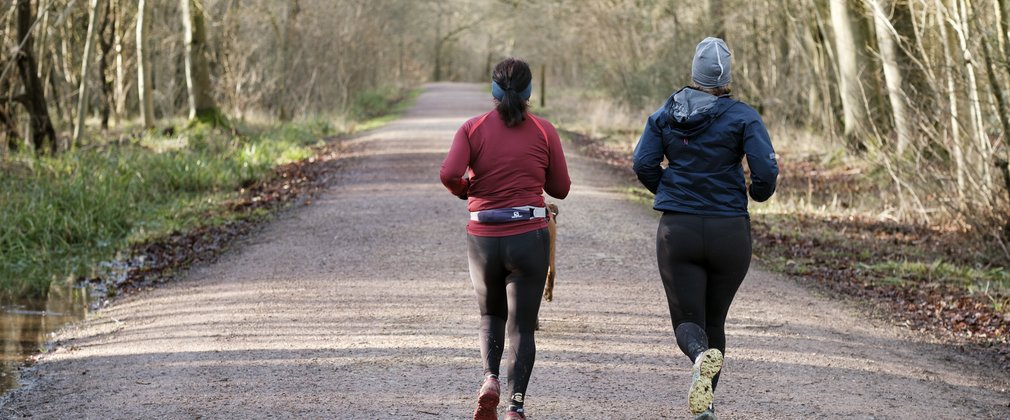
x,y
712,63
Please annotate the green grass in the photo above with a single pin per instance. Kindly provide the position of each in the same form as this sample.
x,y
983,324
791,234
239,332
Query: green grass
x,y
640,195
975,280
60,216
396,106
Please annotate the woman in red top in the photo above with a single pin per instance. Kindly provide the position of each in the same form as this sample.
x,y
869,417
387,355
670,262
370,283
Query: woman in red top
x,y
502,162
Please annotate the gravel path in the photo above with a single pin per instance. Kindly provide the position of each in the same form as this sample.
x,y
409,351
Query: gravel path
x,y
360,306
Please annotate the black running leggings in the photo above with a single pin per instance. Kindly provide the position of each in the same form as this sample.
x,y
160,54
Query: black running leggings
x,y
508,274
702,261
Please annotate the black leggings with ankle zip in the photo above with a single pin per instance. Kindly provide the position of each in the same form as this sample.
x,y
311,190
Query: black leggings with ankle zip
x,y
508,274
702,261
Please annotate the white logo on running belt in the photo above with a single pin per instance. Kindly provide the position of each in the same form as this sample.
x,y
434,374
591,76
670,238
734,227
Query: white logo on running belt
x,y
515,215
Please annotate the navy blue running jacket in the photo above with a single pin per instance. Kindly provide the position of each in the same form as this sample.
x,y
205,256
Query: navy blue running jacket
x,y
705,138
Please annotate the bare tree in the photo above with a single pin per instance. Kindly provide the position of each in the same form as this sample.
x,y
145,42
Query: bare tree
x,y
851,65
143,63
201,94
82,96
289,36
959,20
119,36
42,135
887,38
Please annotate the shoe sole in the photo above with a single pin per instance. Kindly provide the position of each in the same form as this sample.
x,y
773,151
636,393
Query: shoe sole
x,y
707,415
487,407
705,368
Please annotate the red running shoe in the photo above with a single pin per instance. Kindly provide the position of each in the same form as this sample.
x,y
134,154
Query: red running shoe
x,y
515,415
487,400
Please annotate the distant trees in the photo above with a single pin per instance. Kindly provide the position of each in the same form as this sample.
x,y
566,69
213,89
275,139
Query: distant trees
x,y
918,86
242,57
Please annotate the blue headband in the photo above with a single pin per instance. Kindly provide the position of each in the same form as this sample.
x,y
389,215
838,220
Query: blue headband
x,y
499,93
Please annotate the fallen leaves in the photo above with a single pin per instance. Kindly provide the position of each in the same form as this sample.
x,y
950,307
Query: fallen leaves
x,y
850,264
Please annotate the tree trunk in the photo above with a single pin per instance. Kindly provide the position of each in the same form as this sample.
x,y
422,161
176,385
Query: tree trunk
x,y
437,72
955,131
82,95
1004,19
886,41
851,64
288,38
984,151
47,68
119,91
143,67
235,81
40,44
106,40
819,42
201,100
42,135
717,16
997,90
759,75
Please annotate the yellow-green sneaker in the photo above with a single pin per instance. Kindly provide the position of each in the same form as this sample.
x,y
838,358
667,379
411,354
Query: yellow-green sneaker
x,y
706,366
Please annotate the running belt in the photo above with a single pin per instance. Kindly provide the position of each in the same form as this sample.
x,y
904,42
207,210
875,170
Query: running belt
x,y
510,214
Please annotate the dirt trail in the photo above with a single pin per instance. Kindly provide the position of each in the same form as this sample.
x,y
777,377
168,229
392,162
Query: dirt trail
x,y
360,306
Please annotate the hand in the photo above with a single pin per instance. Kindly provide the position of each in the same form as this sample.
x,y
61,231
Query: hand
x,y
464,195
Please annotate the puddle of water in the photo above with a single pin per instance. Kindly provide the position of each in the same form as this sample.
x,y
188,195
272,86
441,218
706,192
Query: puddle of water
x,y
25,326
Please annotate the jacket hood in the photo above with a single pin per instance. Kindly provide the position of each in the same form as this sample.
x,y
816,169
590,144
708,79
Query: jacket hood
x,y
689,112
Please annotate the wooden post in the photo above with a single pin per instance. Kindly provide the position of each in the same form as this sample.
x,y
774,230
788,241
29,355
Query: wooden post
x,y
543,85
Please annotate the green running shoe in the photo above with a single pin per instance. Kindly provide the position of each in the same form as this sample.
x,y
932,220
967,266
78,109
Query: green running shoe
x,y
706,366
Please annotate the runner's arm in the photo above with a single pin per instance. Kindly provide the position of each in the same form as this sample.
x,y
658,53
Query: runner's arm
x,y
455,164
648,156
557,183
764,170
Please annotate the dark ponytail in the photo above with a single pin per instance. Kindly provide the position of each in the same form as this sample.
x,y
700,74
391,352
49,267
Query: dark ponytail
x,y
513,76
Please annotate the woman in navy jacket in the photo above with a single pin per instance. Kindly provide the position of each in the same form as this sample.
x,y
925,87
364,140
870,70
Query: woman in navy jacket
x,y
703,243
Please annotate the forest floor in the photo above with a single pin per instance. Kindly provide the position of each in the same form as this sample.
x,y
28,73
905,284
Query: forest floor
x,y
357,304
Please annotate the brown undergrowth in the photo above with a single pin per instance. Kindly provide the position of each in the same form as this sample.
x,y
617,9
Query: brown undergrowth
x,y
943,282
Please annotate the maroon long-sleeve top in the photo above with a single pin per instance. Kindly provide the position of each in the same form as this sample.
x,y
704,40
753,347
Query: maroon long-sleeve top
x,y
509,167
